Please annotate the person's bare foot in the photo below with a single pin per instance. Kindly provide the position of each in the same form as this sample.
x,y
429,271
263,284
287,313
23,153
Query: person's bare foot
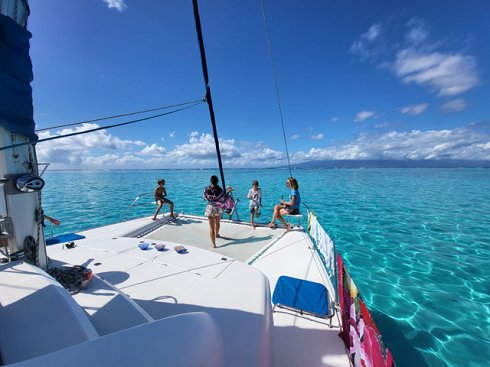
x,y
173,216
217,236
271,225
153,218
253,226
214,246
288,228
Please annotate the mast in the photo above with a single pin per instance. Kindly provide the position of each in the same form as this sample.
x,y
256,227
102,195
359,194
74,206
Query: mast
x,y
209,100
21,217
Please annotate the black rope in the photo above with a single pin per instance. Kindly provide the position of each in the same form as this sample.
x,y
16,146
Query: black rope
x,y
117,116
208,89
99,128
275,83
70,277
31,250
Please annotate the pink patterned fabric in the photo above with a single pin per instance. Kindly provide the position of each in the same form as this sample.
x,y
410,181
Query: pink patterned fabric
x,y
359,332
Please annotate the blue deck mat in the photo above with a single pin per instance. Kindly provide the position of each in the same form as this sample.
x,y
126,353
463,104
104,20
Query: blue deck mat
x,y
302,295
64,238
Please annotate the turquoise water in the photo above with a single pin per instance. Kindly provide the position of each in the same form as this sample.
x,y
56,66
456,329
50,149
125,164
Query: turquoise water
x,y
416,241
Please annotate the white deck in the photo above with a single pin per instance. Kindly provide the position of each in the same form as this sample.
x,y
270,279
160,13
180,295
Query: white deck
x,y
299,340
134,287
165,283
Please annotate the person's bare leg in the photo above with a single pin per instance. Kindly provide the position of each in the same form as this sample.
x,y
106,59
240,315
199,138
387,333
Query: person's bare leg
x,y
212,234
158,210
252,221
217,225
277,208
172,209
281,219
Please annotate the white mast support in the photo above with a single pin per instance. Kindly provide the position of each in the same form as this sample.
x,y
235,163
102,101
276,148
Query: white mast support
x,y
20,212
22,209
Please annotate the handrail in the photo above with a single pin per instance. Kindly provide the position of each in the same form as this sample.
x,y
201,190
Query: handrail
x,y
46,165
319,252
134,204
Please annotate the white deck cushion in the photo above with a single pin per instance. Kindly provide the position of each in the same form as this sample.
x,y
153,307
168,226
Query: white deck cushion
x,y
37,315
179,341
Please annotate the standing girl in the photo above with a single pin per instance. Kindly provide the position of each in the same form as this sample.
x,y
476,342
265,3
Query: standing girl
x,y
255,196
213,193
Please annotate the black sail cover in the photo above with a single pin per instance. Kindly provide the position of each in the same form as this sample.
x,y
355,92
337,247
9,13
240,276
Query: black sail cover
x,y
16,110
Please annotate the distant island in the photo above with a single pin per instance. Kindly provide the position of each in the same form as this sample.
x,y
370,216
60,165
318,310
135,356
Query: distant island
x,y
423,163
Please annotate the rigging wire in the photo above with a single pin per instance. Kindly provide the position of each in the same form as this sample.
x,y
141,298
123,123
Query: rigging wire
x,y
275,83
102,127
116,116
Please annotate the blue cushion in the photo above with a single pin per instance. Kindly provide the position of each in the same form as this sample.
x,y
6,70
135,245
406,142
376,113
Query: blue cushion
x,y
64,238
301,295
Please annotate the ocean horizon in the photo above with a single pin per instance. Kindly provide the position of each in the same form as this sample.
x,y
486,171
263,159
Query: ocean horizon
x,y
416,240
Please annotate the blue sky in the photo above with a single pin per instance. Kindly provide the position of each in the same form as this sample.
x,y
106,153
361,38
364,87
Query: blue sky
x,y
357,80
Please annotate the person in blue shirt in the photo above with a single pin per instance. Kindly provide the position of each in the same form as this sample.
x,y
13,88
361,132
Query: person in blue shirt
x,y
290,207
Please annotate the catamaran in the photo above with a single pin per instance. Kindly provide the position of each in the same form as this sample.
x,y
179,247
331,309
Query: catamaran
x,y
153,293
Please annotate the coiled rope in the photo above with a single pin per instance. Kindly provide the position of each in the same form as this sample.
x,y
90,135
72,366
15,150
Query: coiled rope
x,y
31,251
70,277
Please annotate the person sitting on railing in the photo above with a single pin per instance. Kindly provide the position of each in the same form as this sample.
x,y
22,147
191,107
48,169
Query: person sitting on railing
x,y
160,197
290,207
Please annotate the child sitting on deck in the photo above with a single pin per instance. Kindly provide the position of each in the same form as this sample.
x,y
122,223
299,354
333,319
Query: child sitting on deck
x,y
255,196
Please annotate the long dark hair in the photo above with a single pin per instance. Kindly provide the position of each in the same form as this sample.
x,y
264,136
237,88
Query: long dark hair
x,y
213,192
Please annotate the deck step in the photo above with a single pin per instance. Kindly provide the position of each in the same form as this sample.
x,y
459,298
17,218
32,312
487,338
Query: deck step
x,y
109,309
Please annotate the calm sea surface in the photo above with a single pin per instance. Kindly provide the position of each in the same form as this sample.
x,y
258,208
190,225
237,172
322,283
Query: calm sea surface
x,y
416,241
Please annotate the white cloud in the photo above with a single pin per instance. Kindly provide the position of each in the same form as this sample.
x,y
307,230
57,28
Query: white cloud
x,y
364,115
472,142
317,137
446,74
381,126
203,147
267,155
417,32
363,47
71,150
295,137
462,143
172,134
455,105
418,60
116,4
334,119
153,149
416,109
